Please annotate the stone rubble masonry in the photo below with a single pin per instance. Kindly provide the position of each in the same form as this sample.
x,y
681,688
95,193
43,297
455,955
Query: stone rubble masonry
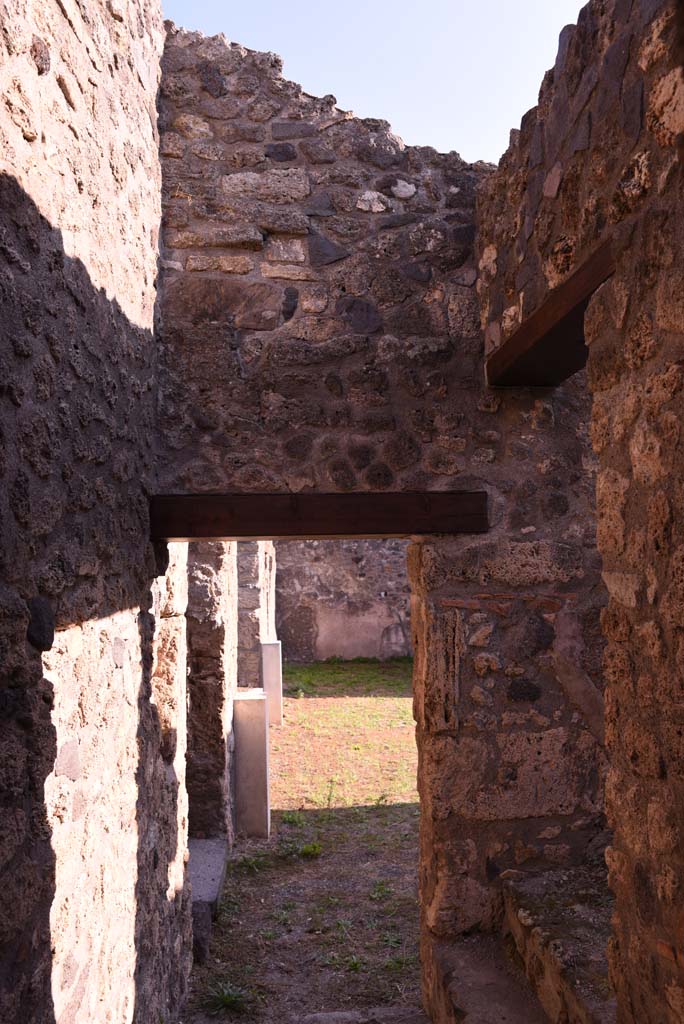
x,y
164,942
598,157
320,331
93,915
309,341
212,618
100,827
318,328
343,599
256,569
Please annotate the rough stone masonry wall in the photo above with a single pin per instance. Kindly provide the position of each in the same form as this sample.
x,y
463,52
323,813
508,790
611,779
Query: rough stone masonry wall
x,y
321,331
610,167
342,599
212,678
93,913
313,287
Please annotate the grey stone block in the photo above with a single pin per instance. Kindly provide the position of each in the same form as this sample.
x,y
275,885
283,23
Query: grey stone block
x,y
208,859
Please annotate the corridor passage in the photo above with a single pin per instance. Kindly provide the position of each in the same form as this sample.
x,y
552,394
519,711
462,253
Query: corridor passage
x,y
324,915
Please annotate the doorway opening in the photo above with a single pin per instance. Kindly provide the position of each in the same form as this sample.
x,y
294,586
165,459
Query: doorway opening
x,y
319,907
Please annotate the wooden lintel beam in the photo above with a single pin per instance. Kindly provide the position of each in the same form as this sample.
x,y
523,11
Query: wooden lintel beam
x,y
548,347
185,517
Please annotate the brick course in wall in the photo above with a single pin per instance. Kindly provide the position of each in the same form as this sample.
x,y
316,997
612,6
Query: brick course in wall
x,y
212,618
256,572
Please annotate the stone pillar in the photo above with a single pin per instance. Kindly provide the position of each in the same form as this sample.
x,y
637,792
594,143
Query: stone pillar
x,y
121,887
252,801
212,666
272,670
256,615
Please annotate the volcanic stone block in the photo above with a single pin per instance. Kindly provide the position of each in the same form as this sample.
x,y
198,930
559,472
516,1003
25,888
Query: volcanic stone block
x,y
323,251
281,151
40,632
277,186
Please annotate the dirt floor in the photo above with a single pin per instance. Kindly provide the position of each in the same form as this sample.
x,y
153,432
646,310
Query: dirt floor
x,y
324,916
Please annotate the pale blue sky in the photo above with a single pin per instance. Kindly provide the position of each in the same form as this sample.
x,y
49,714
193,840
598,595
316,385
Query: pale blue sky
x,y
453,74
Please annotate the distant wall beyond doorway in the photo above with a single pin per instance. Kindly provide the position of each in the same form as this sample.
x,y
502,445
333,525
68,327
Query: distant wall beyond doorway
x,y
342,599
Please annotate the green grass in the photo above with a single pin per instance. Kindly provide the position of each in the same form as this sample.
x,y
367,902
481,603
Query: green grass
x,y
353,964
284,850
224,998
310,850
380,891
399,964
295,818
360,677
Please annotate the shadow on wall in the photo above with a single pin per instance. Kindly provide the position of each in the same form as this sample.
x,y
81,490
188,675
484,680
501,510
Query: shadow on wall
x,y
29,749
157,918
76,415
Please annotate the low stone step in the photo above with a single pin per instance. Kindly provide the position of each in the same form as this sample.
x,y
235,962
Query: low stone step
x,y
558,922
382,1015
207,867
476,983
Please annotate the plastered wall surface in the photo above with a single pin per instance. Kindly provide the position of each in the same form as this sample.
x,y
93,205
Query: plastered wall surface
x,y
610,168
342,599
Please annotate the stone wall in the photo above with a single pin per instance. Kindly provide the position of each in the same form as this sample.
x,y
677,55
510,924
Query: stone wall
x,y
163,936
342,599
256,571
510,771
212,679
92,829
321,332
598,158
319,324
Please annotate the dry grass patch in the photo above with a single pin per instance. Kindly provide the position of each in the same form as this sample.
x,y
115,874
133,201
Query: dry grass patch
x,y
325,915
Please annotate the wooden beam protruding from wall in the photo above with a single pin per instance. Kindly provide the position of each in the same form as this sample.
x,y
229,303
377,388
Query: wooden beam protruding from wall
x,y
185,517
548,347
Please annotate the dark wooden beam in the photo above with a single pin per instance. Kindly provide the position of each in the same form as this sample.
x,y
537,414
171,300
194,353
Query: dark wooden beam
x,y
180,517
548,347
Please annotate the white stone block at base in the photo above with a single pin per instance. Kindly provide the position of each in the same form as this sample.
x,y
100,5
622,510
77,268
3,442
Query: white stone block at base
x,y
252,798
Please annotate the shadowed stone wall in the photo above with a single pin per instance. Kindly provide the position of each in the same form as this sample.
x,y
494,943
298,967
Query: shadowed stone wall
x,y
321,331
212,678
94,913
598,158
343,599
